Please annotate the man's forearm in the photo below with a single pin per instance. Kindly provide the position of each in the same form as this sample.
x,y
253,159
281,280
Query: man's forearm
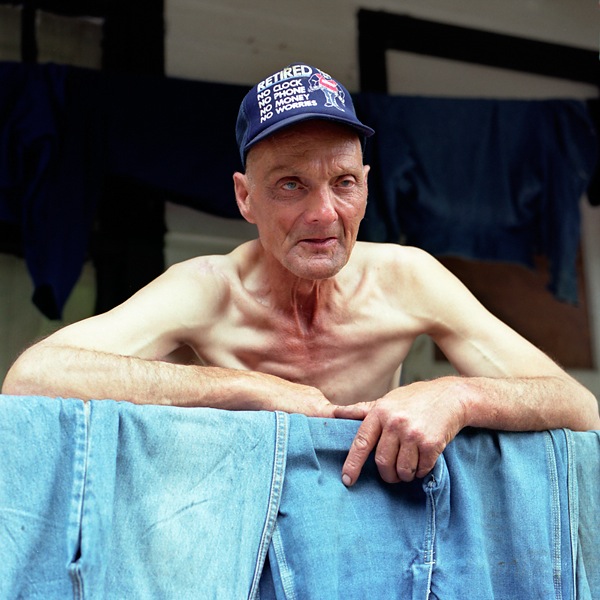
x,y
67,372
78,373
528,404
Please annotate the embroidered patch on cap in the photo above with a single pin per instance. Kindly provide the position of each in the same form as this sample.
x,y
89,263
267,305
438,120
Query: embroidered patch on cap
x,y
296,93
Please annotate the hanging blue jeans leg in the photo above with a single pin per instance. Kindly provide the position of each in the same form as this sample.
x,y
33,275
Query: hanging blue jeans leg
x,y
373,540
42,456
195,496
504,531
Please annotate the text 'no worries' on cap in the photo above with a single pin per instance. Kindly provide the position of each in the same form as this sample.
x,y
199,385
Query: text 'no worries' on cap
x,y
294,94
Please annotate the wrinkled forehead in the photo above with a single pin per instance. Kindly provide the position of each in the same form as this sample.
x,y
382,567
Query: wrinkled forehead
x,y
305,139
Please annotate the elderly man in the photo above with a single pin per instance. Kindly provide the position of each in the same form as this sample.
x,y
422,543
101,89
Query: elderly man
x,y
305,318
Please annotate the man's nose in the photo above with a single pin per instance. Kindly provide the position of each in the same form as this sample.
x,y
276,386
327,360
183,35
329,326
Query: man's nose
x,y
321,206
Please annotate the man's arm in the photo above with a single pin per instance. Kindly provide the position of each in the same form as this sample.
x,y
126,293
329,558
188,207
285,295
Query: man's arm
x,y
119,355
412,425
504,383
70,372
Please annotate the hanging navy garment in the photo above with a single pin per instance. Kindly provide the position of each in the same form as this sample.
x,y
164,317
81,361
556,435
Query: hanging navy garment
x,y
481,179
593,192
50,171
177,136
64,130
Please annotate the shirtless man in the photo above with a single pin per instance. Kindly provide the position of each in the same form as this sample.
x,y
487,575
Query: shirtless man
x,y
305,319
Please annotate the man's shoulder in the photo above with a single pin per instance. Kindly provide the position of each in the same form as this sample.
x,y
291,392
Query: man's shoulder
x,y
205,281
397,269
214,265
392,255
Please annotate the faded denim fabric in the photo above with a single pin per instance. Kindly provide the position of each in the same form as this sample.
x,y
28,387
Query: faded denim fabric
x,y
374,540
117,501
492,520
585,511
42,468
503,518
178,503
114,500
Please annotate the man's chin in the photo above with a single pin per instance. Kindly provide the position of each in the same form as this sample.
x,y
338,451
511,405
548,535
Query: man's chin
x,y
316,268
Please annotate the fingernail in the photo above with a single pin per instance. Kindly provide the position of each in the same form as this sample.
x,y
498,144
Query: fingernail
x,y
346,480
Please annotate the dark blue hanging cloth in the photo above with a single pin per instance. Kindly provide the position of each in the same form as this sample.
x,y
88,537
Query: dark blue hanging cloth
x,y
481,179
65,130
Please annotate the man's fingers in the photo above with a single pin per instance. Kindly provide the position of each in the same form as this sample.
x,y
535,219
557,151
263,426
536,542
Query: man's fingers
x,y
320,409
386,457
356,411
364,442
407,462
427,459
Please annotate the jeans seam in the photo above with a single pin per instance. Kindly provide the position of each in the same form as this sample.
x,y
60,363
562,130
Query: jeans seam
x,y
285,573
80,459
572,504
430,533
277,479
554,515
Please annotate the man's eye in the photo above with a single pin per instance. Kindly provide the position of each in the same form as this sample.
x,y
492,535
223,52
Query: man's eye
x,y
346,183
290,186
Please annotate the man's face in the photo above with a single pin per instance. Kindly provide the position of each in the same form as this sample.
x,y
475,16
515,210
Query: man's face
x,y
305,188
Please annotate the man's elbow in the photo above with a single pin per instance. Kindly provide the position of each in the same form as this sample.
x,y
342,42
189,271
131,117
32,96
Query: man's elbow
x,y
590,413
15,382
596,416
21,377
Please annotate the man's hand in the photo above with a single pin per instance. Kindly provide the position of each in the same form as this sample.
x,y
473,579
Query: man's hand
x,y
410,426
275,393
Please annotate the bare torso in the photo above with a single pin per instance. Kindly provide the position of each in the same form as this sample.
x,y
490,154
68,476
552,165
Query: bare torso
x,y
350,346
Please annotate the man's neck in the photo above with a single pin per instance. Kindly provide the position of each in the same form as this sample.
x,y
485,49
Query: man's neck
x,y
307,301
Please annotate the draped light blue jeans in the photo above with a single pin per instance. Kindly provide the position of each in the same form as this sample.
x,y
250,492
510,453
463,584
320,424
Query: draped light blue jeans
x,y
113,500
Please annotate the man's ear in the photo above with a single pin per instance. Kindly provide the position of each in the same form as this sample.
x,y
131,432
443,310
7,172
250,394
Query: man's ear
x,y
366,169
242,195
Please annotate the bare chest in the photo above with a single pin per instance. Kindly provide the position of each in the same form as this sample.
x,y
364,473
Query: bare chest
x,y
349,360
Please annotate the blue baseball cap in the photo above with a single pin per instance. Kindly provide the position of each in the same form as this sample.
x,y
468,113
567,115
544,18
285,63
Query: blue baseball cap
x,y
297,93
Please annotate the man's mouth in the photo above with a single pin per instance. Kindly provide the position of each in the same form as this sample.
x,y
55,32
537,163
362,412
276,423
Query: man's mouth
x,y
319,242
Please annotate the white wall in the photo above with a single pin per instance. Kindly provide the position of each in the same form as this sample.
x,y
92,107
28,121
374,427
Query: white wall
x,y
237,41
